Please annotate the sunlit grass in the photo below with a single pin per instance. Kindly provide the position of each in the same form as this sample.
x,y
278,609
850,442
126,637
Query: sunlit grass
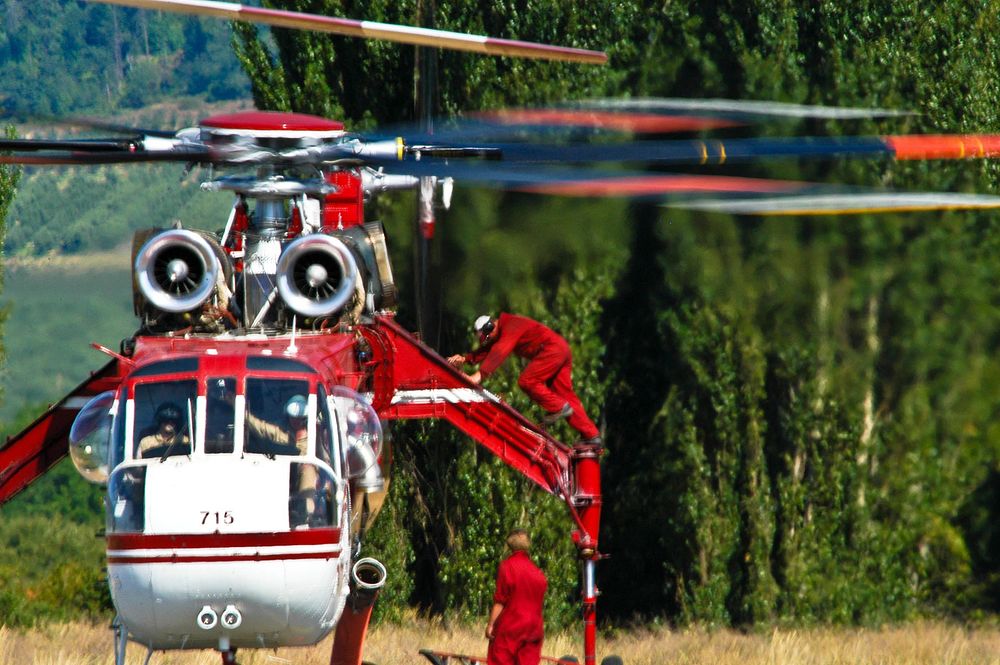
x,y
912,644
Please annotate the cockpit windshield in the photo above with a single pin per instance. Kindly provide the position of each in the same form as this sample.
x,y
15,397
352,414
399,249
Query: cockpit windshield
x,y
270,416
277,417
164,418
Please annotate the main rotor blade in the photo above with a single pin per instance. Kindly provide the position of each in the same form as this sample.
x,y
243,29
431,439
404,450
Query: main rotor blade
x,y
710,193
371,30
724,151
79,158
82,145
738,108
632,123
848,203
104,125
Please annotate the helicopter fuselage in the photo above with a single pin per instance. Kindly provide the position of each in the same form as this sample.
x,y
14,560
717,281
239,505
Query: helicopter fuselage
x,y
230,526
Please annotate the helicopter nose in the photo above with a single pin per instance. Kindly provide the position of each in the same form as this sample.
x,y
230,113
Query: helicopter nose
x,y
316,275
177,270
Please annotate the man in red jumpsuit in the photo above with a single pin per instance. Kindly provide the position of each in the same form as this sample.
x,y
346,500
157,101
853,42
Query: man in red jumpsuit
x,y
547,378
515,629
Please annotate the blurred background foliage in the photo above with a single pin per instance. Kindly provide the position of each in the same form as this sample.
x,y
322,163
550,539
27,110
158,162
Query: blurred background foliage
x,y
800,413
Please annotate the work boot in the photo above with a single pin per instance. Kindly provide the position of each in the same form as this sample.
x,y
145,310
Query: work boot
x,y
550,419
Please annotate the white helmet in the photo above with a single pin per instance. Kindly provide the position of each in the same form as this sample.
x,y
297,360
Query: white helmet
x,y
484,324
296,407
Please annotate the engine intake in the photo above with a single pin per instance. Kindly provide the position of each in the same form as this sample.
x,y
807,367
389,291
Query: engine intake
x,y
176,270
316,275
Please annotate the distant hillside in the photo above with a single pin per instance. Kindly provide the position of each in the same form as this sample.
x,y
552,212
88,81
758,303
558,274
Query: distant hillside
x,y
63,57
70,210
54,312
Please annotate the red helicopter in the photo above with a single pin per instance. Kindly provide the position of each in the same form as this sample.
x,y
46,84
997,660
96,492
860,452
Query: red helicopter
x,y
239,430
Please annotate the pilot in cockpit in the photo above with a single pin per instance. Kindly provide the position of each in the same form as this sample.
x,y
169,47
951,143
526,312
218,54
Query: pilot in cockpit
x,y
168,437
291,439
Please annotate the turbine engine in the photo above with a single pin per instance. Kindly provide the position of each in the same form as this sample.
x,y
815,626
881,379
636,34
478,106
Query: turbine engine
x,y
175,272
317,275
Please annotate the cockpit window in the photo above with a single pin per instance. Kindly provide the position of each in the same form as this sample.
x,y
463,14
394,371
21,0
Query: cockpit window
x,y
118,446
127,500
164,418
174,366
277,417
324,430
272,364
220,416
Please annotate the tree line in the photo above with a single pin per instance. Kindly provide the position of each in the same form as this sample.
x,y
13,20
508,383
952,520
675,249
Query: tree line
x,y
66,58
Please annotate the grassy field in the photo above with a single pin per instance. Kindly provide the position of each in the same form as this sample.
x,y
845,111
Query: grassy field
x,y
913,644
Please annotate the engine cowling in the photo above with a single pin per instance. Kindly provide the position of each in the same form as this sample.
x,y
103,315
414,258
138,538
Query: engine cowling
x,y
176,270
316,275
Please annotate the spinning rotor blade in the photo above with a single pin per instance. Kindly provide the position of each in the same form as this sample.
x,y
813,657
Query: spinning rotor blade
x,y
95,123
184,154
79,145
854,203
631,123
664,116
371,30
712,193
712,151
733,108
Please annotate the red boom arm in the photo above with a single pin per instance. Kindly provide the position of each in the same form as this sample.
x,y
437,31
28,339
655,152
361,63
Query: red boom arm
x,y
413,381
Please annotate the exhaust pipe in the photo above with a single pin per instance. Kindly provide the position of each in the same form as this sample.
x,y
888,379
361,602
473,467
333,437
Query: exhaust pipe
x,y
367,578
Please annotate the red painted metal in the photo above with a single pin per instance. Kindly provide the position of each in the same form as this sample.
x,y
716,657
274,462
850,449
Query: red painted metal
x,y
271,121
424,385
37,448
139,541
222,558
234,244
349,639
345,207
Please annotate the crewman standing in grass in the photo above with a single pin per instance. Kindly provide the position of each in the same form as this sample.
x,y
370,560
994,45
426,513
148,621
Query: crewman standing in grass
x,y
515,628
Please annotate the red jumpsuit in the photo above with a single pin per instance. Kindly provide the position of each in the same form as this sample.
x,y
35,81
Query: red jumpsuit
x,y
518,632
548,376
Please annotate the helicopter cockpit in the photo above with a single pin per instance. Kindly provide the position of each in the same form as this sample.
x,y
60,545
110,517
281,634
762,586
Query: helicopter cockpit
x,y
228,444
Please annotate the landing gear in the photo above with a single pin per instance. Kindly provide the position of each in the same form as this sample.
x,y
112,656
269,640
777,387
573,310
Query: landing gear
x,y
228,652
121,640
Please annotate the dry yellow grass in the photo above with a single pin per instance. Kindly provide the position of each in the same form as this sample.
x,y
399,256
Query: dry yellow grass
x,y
912,644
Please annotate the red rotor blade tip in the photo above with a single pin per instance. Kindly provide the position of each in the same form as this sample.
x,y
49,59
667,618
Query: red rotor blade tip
x,y
945,146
